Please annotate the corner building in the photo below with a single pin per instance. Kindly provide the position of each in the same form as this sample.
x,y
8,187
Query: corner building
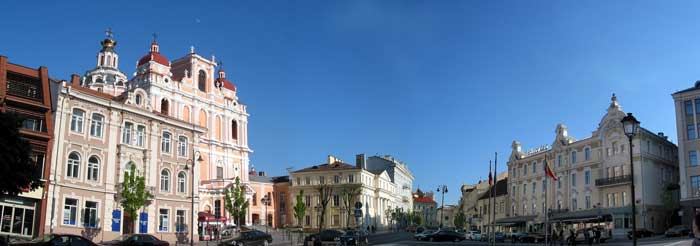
x,y
593,186
165,116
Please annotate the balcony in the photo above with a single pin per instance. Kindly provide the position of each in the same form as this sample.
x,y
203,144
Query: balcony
x,y
613,180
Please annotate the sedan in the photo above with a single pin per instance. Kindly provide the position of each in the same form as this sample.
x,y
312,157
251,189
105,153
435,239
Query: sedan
x,y
136,240
57,239
252,237
452,236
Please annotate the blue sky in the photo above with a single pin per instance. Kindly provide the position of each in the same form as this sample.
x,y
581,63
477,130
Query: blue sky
x,y
441,85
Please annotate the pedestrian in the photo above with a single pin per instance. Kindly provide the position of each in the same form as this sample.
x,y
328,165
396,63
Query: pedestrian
x,y
696,230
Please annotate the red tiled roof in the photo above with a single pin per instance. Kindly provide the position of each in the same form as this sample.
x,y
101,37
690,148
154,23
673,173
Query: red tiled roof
x,y
424,199
157,57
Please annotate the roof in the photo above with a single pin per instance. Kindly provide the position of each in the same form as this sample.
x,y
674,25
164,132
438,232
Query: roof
x,y
501,189
327,167
154,56
424,199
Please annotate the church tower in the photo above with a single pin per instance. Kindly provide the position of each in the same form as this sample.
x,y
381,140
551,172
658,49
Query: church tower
x,y
106,77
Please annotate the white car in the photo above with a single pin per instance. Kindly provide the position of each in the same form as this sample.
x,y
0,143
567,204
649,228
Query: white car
x,y
473,235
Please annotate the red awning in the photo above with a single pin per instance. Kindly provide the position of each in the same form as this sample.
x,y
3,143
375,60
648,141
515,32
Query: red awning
x,y
208,217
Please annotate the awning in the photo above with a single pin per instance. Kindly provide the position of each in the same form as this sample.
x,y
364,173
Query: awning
x,y
208,217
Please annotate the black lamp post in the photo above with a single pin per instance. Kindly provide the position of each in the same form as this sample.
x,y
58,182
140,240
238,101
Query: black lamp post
x,y
443,190
265,201
187,167
631,127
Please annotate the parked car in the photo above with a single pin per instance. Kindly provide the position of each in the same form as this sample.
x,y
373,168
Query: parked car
x,y
57,239
251,237
323,236
445,235
640,233
677,231
473,235
135,240
423,235
352,237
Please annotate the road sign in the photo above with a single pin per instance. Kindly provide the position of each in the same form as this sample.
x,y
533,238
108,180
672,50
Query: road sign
x,y
358,212
358,205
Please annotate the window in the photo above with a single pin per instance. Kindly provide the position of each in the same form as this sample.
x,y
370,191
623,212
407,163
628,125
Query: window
x,y
140,135
351,178
163,220
70,211
76,122
90,214
126,132
688,107
164,180
234,129
165,144
587,154
93,168
336,200
180,221
182,146
96,125
693,158
573,180
587,177
573,157
202,81
695,186
73,165
219,172
181,182
559,160
691,132
137,99
336,179
164,106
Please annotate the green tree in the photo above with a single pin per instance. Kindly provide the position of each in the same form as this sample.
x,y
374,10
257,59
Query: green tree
x,y
300,207
349,194
20,173
133,193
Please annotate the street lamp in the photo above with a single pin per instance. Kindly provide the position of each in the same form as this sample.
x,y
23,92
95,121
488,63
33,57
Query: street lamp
x,y
631,127
443,190
266,201
187,167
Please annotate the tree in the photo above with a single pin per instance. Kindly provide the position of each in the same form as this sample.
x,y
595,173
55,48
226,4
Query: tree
x,y
325,192
300,207
234,201
349,194
133,193
20,173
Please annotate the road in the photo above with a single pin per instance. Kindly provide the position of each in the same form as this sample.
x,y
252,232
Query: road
x,y
405,238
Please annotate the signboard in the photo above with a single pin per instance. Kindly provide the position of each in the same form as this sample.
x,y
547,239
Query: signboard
x,y
116,220
143,222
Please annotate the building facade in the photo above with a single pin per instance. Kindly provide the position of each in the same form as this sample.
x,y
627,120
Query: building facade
x,y
26,91
687,105
594,178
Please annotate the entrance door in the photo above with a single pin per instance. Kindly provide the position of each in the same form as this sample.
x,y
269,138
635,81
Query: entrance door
x,y
128,225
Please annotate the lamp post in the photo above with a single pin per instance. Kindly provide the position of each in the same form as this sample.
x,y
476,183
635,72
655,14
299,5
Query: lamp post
x,y
442,189
187,167
266,202
631,127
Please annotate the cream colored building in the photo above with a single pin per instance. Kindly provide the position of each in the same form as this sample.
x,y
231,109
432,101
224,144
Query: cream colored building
x,y
377,193
594,178
166,115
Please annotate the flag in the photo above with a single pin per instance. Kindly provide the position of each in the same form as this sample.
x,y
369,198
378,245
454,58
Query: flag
x,y
548,171
490,176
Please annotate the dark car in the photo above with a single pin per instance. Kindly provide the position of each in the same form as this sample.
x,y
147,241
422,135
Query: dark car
x,y
323,236
57,239
352,237
452,236
251,237
677,231
136,240
640,233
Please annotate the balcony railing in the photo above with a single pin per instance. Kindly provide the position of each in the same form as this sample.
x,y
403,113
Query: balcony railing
x,y
613,180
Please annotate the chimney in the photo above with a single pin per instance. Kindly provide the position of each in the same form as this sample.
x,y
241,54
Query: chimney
x,y
360,161
75,79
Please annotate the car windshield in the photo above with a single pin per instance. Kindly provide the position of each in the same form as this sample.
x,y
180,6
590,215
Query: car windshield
x,y
44,238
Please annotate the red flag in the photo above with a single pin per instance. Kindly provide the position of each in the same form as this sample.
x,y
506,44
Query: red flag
x,y
490,176
548,171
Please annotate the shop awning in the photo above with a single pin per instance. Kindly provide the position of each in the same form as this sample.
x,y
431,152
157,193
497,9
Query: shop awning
x,y
208,217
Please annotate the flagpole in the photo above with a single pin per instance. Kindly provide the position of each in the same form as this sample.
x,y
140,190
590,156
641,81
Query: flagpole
x,y
495,181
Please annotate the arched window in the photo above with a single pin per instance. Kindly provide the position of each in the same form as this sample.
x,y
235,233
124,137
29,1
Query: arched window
x,y
234,129
137,99
202,81
165,143
73,165
164,106
181,180
93,168
76,122
165,180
